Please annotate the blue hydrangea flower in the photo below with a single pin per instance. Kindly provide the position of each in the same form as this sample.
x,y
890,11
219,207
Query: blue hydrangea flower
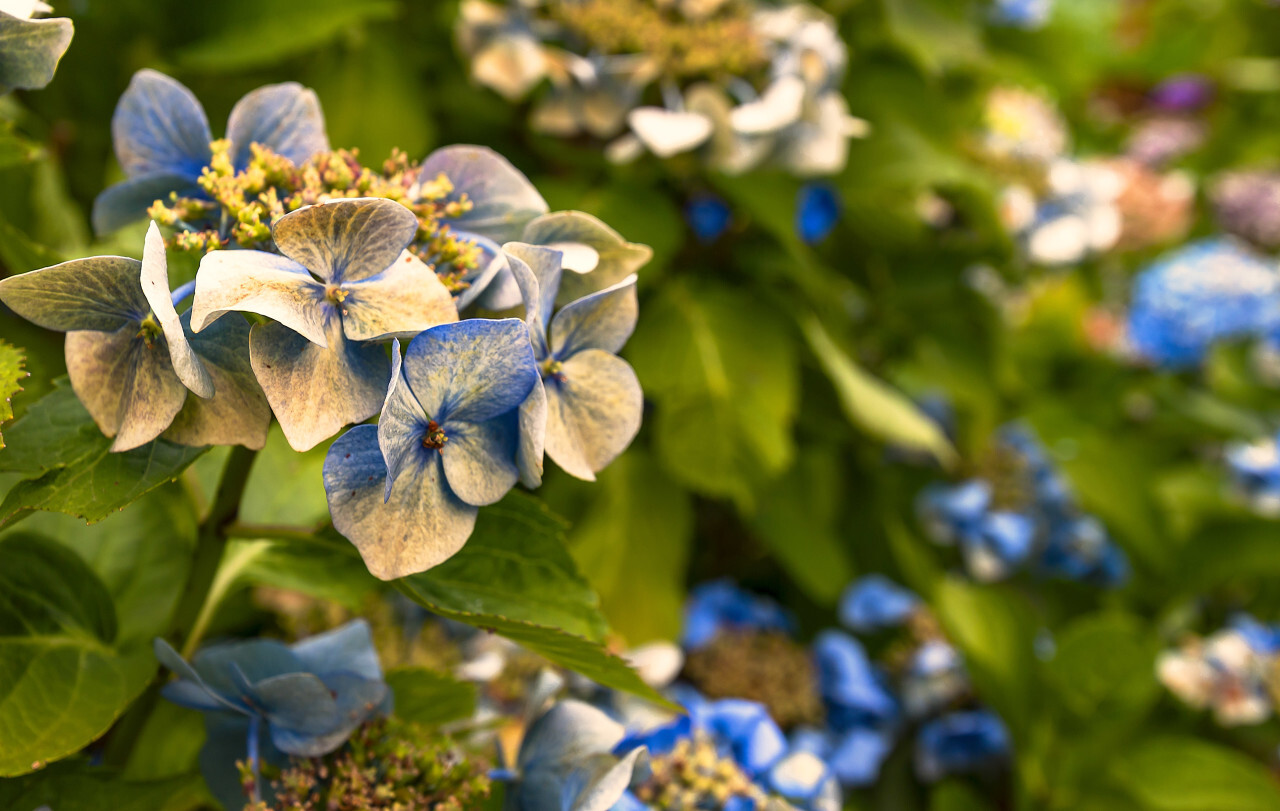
x,y
587,404
594,255
854,755
875,602
1263,639
709,217
32,48
817,212
406,491
961,742
1209,291
806,781
951,512
934,677
566,762
721,606
503,202
162,139
853,690
344,281
268,699
1027,14
1080,549
132,358
1255,472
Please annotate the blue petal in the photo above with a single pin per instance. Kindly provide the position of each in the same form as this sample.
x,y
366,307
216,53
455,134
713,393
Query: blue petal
x,y
471,371
533,436
191,691
159,126
755,738
603,320
708,216
421,525
531,297
503,199
402,424
401,301
876,602
155,286
540,299
297,701
128,200
358,700
226,742
262,283
346,648
849,683
480,458
255,659
286,118
858,755
568,731
102,293
594,408
489,266
817,212
595,255
346,240
314,390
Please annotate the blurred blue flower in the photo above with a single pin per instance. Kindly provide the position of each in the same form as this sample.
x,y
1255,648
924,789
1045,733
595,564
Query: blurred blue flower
x,y
272,699
586,406
1000,545
960,742
406,491
1206,292
934,677
720,606
854,756
1028,14
344,281
162,139
1080,549
806,781
852,689
1255,472
566,762
744,730
950,512
709,217
1263,639
876,602
817,212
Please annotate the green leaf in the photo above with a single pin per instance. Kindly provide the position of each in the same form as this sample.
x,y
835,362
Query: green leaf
x,y
11,372
427,697
797,523
874,406
62,681
286,487
280,29
19,253
71,468
955,796
633,546
723,369
329,572
937,34
515,565
80,787
1173,773
1104,665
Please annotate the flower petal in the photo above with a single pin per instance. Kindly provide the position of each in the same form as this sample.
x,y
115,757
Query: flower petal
x,y
480,458
421,525
191,690
569,731
159,126
401,301
471,371
30,50
593,413
667,132
540,299
503,199
603,320
530,295
533,436
262,283
346,648
357,700
283,117
492,261
402,424
128,200
575,232
297,701
346,240
238,413
155,286
315,390
102,293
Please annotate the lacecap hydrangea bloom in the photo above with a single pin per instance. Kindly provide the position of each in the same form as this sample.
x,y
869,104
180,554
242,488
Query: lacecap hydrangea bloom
x,y
1232,672
336,264
741,84
32,47
1255,473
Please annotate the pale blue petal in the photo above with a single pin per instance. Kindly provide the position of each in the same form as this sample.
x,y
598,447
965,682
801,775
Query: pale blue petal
x,y
297,701
30,50
422,524
492,261
583,238
503,199
128,200
314,390
533,436
501,293
569,731
238,413
191,680
545,263
102,293
402,425
594,408
346,240
262,283
155,286
529,295
603,320
286,118
401,301
346,648
600,781
159,126
480,458
471,371
358,699
256,659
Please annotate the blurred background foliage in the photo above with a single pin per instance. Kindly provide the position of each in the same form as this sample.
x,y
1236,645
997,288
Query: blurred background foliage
x,y
780,444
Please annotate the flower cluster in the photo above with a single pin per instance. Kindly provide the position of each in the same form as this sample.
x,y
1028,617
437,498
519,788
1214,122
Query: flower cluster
x,y
742,84
332,263
1018,512
32,47
1233,672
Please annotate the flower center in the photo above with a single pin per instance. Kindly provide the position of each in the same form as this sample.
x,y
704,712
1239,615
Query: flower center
x,y
554,369
763,666
434,438
694,775
149,330
334,294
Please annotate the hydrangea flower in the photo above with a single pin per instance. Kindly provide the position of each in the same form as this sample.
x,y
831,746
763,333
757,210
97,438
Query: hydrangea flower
x,y
721,606
1224,672
876,602
595,256
132,358
960,742
934,677
709,217
1026,14
344,281
162,139
406,491
263,699
994,542
566,762
854,691
591,398
1078,218
1182,94
1247,205
1255,473
1198,295
32,47
817,212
